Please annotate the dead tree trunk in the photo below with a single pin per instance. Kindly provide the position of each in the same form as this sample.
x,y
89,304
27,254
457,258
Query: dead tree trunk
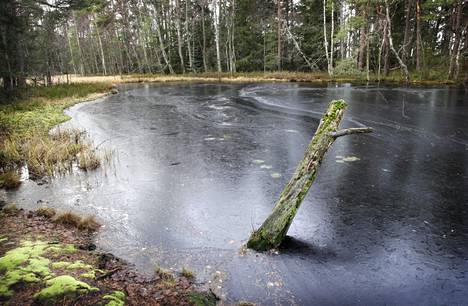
x,y
274,229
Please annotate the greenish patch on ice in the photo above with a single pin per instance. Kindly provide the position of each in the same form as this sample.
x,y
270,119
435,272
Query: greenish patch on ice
x,y
275,175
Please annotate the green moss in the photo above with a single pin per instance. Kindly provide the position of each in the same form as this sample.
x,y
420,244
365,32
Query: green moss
x,y
27,263
64,285
116,298
3,238
23,264
77,265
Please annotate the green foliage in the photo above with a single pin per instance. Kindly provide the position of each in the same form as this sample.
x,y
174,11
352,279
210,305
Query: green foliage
x,y
116,298
347,68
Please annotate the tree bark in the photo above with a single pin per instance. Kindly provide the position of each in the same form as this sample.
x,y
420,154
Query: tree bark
x,y
407,36
216,25
205,67
363,38
456,44
179,37
418,37
274,229
325,42
332,31
280,46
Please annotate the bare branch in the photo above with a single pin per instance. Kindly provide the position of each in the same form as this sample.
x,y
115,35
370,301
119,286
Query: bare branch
x,y
351,131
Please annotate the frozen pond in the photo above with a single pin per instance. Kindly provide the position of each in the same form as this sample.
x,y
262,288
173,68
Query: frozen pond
x,y
197,166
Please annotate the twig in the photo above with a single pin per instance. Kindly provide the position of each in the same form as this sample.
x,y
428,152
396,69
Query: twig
x,y
351,131
107,274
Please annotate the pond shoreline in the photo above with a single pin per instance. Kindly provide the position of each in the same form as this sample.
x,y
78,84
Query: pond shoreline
x,y
314,78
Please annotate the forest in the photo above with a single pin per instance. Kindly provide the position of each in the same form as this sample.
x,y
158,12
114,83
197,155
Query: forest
x,y
362,39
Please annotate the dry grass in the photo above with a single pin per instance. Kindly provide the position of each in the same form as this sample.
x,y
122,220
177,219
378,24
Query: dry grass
x,y
68,218
89,160
10,180
187,273
46,212
205,77
85,224
89,224
10,208
164,274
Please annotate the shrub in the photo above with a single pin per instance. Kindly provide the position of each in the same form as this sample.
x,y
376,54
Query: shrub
x,y
347,68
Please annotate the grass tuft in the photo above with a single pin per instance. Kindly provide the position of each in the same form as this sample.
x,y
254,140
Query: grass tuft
x,y
89,224
10,180
68,218
89,160
47,212
10,208
164,274
187,273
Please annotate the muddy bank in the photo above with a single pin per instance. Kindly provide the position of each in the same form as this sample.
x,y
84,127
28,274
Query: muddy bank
x,y
44,262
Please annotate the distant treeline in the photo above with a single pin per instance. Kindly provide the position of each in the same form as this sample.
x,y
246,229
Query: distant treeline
x,y
40,38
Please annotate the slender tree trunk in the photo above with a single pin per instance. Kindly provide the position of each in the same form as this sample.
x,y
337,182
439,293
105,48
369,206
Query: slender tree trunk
x,y
179,37
205,67
330,69
363,37
216,26
161,41
279,22
71,51
456,43
103,58
418,37
403,66
325,42
407,35
188,36
80,52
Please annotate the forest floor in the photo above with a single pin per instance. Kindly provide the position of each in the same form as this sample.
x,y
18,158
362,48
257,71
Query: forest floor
x,y
48,260
283,76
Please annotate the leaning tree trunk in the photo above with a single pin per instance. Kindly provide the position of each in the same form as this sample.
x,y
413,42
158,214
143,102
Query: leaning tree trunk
x,y
274,229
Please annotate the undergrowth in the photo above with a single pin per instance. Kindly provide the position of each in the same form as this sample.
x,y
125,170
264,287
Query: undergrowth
x,y
26,117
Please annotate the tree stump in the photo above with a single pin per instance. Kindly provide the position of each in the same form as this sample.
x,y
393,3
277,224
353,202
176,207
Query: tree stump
x,y
272,232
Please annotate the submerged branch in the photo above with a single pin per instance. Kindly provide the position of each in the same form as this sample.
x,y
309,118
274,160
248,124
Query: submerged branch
x,y
351,131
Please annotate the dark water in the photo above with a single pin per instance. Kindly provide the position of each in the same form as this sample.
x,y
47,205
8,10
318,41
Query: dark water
x,y
197,166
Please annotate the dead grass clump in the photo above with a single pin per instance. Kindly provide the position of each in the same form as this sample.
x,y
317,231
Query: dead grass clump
x,y
89,224
68,218
10,180
89,160
10,208
187,273
46,156
46,212
9,153
164,274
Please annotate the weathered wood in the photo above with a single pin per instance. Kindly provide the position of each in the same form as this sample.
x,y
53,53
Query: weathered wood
x,y
274,229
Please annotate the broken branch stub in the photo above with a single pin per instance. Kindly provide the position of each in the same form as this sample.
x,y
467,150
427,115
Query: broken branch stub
x,y
272,232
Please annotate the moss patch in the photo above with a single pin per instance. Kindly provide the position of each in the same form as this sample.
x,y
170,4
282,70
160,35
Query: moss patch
x,y
24,264
64,285
116,298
